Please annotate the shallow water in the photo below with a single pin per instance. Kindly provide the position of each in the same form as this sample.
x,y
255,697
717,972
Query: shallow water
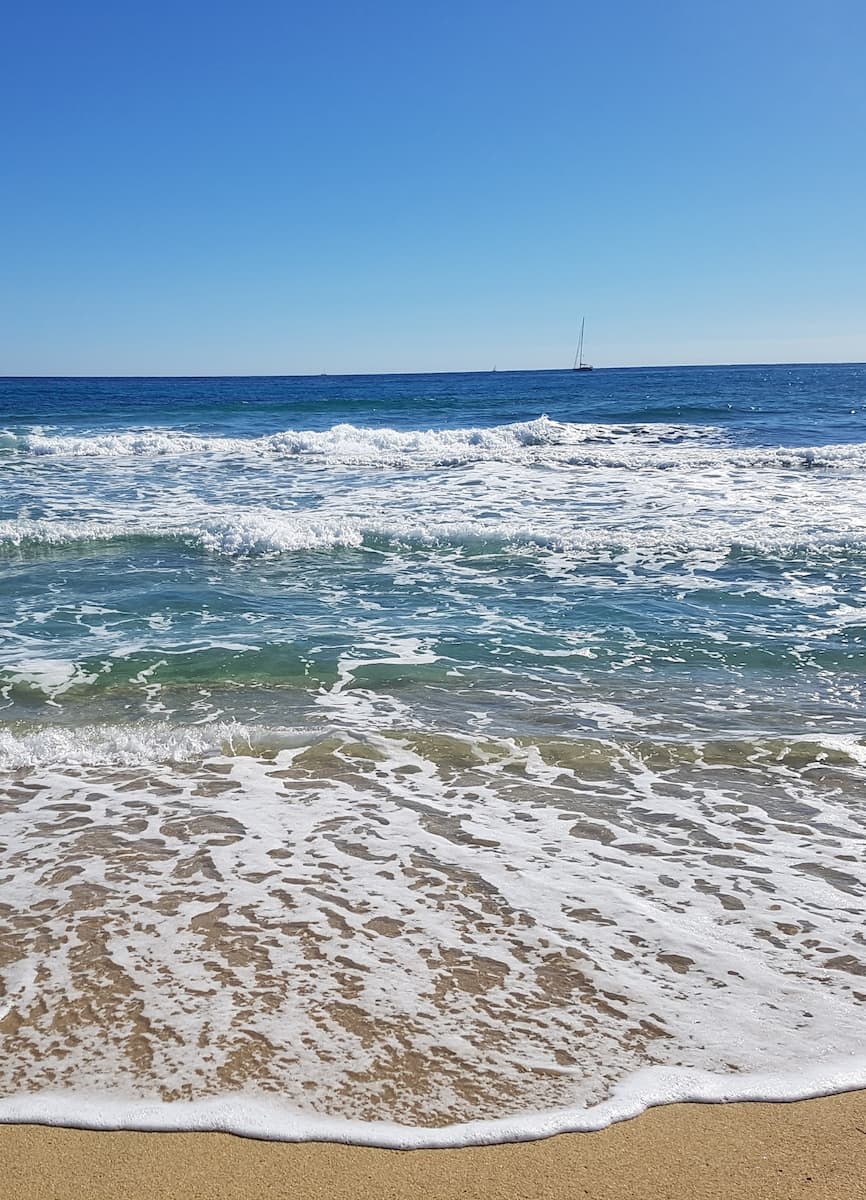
x,y
431,749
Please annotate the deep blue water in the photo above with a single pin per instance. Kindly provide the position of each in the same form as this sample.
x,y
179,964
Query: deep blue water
x,y
763,403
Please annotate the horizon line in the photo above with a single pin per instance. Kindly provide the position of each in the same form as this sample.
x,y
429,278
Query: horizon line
x,y
476,371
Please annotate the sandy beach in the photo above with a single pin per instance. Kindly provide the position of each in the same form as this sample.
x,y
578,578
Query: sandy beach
x,y
814,1148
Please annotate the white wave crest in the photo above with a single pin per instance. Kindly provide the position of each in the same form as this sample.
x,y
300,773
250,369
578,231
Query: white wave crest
x,y
263,534
541,441
241,535
256,534
705,459
131,745
342,443
349,444
121,445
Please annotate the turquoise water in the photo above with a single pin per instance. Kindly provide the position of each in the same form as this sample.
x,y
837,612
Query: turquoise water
x,y
432,747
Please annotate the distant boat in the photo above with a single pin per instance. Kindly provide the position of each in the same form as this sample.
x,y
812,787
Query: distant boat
x,y
579,364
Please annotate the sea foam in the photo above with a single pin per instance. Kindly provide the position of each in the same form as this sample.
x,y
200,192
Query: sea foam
x,y
542,440
257,534
295,918
269,1120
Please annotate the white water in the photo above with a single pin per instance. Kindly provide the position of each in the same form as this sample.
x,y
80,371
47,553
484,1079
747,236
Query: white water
x,y
625,447
427,931
395,918
270,1120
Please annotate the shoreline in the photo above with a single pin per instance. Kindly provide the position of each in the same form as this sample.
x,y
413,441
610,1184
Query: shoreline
x,y
751,1150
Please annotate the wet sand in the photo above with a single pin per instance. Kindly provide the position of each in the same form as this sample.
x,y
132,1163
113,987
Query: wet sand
x,y
814,1148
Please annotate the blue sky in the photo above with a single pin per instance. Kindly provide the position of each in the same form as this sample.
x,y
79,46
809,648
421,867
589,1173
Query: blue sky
x,y
275,188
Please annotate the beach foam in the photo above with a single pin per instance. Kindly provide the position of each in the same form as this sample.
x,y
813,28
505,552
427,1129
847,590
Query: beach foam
x,y
429,929
270,1120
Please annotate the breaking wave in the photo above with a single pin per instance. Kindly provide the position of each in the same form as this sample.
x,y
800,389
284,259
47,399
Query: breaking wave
x,y
257,534
126,745
141,743
343,443
538,442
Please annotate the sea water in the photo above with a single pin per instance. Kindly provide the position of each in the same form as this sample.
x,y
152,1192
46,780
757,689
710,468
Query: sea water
x,y
435,758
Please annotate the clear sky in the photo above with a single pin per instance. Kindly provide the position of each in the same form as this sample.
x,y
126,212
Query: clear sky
x,y
282,188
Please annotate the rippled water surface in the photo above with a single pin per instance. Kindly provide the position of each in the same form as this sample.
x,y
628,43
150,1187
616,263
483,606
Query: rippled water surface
x,y
430,748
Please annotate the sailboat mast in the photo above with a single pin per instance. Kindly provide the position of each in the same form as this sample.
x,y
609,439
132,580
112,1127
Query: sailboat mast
x,y
578,358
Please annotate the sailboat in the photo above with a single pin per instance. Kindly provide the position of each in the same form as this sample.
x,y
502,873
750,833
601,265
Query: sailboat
x,y
579,364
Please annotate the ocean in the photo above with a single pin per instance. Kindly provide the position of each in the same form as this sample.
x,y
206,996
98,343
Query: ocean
x,y
431,759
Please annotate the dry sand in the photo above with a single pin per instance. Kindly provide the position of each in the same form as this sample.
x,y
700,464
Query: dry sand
x,y
814,1148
